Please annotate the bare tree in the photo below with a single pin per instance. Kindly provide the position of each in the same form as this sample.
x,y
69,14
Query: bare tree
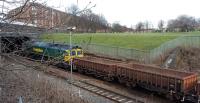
x,y
116,27
147,25
7,6
161,25
182,23
93,22
198,24
140,27
186,23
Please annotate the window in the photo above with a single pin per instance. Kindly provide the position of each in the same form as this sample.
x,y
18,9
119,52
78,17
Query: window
x,y
79,52
73,53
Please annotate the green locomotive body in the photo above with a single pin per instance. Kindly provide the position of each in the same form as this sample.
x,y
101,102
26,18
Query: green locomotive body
x,y
54,50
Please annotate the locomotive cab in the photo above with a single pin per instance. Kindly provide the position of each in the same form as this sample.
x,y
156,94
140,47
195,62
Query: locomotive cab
x,y
79,53
69,55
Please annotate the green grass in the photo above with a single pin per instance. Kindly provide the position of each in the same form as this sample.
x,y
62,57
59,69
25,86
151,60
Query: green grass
x,y
143,41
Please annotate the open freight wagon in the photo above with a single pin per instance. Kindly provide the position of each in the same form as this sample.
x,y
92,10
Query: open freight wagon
x,y
164,81
174,84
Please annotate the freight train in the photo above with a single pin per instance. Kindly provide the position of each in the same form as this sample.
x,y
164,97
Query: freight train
x,y
55,51
175,85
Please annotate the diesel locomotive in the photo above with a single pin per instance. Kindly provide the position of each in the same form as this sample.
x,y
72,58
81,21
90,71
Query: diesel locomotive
x,y
55,51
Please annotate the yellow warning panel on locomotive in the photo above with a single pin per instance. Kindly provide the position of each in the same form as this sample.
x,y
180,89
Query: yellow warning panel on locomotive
x,y
39,50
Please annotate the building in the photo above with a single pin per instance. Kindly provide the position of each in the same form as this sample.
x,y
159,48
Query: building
x,y
39,15
46,17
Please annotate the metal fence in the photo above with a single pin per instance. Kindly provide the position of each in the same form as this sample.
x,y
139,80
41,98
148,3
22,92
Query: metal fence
x,y
145,56
116,52
185,41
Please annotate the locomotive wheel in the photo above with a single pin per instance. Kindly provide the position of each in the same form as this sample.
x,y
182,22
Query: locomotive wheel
x,y
50,61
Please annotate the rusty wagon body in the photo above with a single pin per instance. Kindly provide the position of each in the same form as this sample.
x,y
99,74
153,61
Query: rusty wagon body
x,y
157,79
173,83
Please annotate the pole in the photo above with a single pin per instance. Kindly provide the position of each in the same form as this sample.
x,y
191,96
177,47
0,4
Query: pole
x,y
2,8
70,46
0,50
70,56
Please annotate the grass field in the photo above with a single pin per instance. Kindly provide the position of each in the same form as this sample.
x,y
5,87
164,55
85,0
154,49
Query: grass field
x,y
143,41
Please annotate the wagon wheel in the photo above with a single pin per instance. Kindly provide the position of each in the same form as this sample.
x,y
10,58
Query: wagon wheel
x,y
177,97
170,97
133,84
74,67
128,84
80,70
108,78
121,80
96,75
88,72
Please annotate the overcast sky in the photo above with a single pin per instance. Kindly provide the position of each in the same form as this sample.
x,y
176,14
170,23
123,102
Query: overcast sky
x,y
129,12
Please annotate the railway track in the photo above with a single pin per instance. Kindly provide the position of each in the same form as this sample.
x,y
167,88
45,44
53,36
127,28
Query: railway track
x,y
111,95
116,97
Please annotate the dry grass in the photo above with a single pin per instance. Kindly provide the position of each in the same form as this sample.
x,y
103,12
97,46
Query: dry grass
x,y
187,59
33,86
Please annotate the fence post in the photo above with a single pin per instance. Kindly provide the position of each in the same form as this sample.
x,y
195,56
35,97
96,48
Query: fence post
x,y
0,50
149,56
117,52
131,53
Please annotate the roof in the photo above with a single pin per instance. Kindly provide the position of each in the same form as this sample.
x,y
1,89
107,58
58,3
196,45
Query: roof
x,y
53,45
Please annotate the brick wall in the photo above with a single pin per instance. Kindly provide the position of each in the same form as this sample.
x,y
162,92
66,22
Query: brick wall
x,y
38,14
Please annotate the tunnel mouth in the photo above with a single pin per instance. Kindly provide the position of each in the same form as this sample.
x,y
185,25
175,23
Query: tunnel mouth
x,y
11,44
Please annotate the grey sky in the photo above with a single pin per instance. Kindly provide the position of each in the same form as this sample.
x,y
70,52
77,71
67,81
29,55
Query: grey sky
x,y
129,12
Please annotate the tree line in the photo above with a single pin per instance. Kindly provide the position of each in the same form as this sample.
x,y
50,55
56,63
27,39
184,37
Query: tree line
x,y
182,23
87,21
97,23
